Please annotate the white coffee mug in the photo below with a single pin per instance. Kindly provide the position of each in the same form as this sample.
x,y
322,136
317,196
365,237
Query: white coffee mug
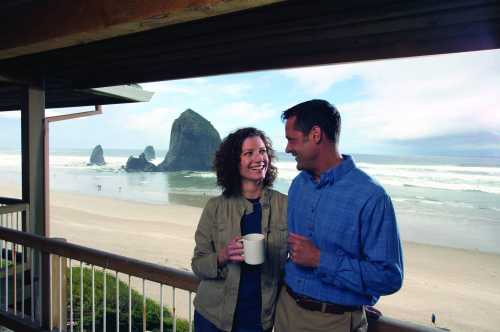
x,y
253,248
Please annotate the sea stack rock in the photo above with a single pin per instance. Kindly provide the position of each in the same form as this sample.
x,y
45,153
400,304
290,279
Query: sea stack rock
x,y
97,157
140,164
149,153
193,142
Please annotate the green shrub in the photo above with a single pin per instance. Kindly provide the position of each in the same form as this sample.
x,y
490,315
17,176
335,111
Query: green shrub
x,y
152,312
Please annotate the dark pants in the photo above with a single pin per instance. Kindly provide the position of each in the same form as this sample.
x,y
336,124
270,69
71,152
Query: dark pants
x,y
201,324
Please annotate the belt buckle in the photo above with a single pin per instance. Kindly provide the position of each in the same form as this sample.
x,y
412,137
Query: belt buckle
x,y
323,307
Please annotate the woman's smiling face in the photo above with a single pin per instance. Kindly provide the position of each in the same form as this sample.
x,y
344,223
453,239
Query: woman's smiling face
x,y
254,160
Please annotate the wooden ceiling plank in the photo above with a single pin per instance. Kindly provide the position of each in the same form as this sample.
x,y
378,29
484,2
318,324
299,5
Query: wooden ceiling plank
x,y
168,49
40,26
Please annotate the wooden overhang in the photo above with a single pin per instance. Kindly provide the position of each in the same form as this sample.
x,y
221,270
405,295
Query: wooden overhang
x,y
209,37
11,96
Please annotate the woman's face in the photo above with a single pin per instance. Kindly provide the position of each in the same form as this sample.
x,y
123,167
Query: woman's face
x,y
254,160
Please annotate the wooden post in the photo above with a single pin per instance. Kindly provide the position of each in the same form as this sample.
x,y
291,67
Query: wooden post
x,y
59,293
33,174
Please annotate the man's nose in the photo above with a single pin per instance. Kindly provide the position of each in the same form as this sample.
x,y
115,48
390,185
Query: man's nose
x,y
287,149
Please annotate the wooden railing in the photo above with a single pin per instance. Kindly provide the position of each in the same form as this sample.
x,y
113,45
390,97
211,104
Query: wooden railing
x,y
63,256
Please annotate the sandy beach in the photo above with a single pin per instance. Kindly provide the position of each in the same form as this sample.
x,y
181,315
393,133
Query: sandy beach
x,y
461,287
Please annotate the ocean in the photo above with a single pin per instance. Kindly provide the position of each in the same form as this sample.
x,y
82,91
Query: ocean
x,y
446,201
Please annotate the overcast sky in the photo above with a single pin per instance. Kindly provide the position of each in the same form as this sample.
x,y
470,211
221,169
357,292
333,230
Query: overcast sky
x,y
447,104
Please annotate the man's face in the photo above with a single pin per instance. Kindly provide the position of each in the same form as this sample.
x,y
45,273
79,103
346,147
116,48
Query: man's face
x,y
301,146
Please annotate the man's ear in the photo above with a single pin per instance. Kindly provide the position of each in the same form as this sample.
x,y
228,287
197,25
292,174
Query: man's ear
x,y
315,134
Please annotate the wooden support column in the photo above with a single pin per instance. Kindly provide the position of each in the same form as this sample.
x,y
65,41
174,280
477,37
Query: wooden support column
x,y
33,156
33,185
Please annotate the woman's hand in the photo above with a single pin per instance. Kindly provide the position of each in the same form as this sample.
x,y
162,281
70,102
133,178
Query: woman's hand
x,y
233,252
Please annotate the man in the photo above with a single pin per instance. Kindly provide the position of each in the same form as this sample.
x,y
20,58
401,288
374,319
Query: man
x,y
343,240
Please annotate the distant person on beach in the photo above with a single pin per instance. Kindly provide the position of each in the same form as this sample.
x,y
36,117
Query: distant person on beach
x,y
343,240
235,296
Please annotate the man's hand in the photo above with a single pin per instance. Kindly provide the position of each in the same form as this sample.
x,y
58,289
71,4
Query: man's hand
x,y
233,252
303,251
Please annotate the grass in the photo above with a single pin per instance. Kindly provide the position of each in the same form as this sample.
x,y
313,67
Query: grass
x,y
152,312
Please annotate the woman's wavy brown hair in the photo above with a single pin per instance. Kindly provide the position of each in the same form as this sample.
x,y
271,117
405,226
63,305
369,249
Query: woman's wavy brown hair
x,y
228,157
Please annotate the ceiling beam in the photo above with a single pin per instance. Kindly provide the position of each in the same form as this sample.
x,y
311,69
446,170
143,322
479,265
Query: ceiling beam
x,y
38,26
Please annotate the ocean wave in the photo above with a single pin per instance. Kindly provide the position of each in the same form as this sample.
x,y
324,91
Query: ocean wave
x,y
441,177
479,170
191,174
421,183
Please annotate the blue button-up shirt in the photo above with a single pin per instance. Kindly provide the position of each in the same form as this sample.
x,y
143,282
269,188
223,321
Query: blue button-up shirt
x,y
350,218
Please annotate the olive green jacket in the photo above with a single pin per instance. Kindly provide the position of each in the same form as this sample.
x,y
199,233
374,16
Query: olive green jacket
x,y
217,293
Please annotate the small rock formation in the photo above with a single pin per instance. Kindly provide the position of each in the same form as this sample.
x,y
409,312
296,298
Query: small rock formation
x,y
149,153
97,157
193,142
140,164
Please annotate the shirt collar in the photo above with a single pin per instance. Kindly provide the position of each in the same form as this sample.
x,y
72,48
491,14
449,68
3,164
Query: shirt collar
x,y
335,173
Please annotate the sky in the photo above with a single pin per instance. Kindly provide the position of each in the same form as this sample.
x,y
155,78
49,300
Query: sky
x,y
434,105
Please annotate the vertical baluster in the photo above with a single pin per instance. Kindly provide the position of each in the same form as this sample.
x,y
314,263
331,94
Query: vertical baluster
x,y
40,280
117,302
143,305
60,295
190,313
6,269
104,299
93,298
51,298
23,248
174,322
14,269
32,283
4,251
129,305
161,307
70,296
81,296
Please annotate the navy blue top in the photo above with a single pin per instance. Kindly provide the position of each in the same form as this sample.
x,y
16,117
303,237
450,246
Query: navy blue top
x,y
248,308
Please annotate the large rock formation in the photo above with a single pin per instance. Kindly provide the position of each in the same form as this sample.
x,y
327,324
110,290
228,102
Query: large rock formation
x,y
149,153
193,142
140,164
97,157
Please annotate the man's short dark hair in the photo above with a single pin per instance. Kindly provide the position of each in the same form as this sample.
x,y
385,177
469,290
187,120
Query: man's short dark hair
x,y
228,157
316,112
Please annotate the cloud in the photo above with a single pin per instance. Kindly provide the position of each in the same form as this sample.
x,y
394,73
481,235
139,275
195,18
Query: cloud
x,y
167,87
413,98
10,115
199,87
153,125
230,116
319,79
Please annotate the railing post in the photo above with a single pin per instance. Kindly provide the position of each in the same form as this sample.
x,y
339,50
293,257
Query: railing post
x,y
58,291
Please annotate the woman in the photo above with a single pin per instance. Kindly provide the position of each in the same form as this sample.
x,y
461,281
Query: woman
x,y
232,295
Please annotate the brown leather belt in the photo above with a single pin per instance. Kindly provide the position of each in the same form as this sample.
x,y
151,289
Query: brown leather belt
x,y
326,307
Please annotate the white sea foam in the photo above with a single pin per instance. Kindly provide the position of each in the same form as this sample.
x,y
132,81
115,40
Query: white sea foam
x,y
445,177
456,178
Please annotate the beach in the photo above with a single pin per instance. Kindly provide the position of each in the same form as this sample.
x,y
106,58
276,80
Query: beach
x,y
461,287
